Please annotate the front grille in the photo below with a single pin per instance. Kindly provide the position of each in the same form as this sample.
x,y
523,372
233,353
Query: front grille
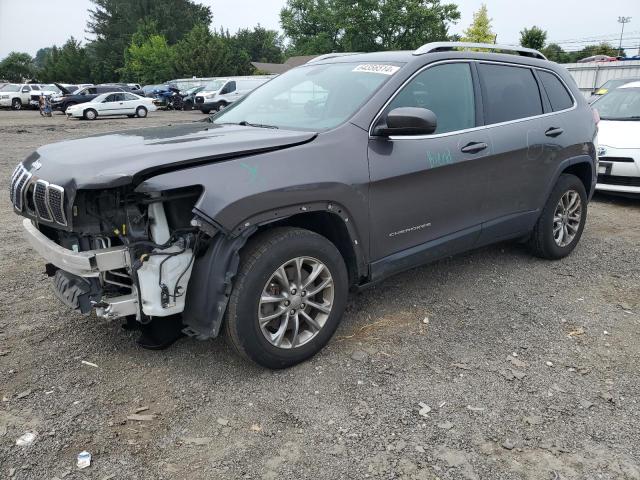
x,y
40,200
616,159
56,204
19,181
619,180
199,99
46,201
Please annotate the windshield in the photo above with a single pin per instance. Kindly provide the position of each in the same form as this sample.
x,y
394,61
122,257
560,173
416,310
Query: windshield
x,y
214,86
11,87
311,97
620,104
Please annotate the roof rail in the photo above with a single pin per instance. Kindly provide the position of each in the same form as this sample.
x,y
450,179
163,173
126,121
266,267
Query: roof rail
x,y
327,56
448,46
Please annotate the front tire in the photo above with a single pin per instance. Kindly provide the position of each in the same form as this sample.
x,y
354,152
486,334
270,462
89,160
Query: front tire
x,y
16,104
141,112
562,220
288,297
90,114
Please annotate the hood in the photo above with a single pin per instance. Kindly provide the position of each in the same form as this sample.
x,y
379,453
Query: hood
x,y
619,134
122,158
65,91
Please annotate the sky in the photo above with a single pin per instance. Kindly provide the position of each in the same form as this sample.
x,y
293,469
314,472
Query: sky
x,y
27,25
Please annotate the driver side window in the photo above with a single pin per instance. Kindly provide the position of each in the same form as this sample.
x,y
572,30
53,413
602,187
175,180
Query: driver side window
x,y
446,90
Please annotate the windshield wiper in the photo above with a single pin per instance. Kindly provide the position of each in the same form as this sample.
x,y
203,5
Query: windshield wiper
x,y
621,119
244,123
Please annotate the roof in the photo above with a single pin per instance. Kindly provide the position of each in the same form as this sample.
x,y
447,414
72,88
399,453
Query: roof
x,y
278,68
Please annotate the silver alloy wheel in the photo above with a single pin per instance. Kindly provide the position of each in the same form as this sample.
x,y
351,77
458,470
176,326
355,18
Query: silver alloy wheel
x,y
567,218
90,114
141,112
296,302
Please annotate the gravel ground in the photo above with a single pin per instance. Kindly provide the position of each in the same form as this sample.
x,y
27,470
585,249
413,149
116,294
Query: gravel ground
x,y
489,365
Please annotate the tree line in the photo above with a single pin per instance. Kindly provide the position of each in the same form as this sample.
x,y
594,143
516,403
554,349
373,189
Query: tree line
x,y
152,41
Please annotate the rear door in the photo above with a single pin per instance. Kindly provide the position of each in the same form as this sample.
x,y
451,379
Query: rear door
x,y
513,109
430,188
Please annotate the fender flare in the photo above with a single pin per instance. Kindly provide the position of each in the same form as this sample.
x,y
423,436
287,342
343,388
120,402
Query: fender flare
x,y
569,162
284,212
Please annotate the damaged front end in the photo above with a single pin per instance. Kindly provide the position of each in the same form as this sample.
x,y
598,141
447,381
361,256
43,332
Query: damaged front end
x,y
130,254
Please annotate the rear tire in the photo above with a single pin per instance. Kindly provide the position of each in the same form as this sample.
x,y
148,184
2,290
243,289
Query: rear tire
x,y
16,104
141,112
562,220
206,111
289,338
90,114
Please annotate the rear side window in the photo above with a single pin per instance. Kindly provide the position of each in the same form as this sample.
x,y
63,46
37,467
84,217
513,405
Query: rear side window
x,y
559,98
129,96
446,90
510,93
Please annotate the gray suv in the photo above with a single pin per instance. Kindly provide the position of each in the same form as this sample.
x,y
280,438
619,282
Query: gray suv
x,y
260,219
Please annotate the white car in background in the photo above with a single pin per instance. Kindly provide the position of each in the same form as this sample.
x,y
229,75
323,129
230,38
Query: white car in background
x,y
18,96
113,103
619,140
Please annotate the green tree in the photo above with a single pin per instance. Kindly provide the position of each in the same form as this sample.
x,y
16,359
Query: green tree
x,y
17,67
202,54
41,56
591,50
261,44
480,29
555,53
66,64
323,26
150,61
113,23
533,37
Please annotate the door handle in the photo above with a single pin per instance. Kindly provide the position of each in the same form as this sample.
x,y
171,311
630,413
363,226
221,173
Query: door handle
x,y
554,132
474,147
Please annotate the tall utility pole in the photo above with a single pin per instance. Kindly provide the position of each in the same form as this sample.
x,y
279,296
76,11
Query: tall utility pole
x,y
622,20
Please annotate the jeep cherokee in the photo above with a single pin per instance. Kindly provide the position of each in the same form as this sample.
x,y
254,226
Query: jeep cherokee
x,y
332,176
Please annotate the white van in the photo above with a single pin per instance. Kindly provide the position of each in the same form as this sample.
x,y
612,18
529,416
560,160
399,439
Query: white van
x,y
219,93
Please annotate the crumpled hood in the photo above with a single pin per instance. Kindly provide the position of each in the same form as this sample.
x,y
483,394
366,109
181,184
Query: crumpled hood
x,y
121,158
619,134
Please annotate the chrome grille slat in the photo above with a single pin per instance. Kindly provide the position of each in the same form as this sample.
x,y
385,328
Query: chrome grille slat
x,y
40,200
18,193
55,200
48,199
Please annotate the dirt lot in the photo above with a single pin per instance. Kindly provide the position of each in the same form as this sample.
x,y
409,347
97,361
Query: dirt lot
x,y
529,369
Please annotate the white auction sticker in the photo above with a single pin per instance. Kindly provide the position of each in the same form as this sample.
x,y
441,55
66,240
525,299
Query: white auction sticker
x,y
373,68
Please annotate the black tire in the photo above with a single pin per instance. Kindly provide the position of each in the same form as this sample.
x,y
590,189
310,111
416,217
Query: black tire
x,y
90,114
221,106
141,112
542,241
206,111
259,259
67,105
16,104
131,116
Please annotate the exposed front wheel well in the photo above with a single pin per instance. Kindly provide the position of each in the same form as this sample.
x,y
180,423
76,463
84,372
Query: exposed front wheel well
x,y
333,228
583,171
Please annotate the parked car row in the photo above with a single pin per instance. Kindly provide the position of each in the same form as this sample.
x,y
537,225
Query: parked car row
x,y
619,140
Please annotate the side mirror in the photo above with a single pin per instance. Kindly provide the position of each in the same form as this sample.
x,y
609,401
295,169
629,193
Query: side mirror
x,y
407,121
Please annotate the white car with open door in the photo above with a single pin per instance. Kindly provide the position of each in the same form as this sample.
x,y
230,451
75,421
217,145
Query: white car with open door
x,y
113,103
619,140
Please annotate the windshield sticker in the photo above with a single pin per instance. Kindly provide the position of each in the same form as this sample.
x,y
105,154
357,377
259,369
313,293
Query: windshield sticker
x,y
373,68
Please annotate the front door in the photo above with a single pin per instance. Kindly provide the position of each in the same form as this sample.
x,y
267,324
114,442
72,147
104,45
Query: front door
x,y
428,190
